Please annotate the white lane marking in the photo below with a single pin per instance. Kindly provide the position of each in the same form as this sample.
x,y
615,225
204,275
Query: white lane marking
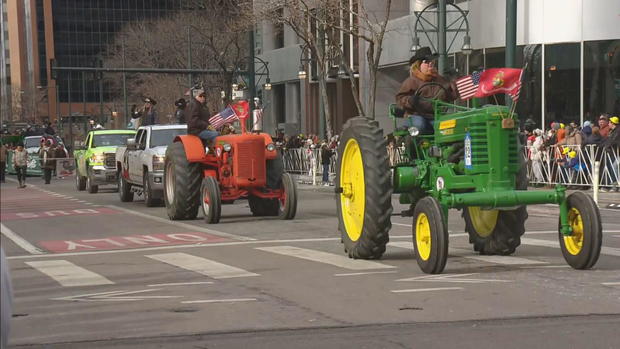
x,y
547,267
325,257
201,265
74,199
555,244
506,260
69,274
231,300
366,273
611,283
457,278
459,252
183,225
427,289
113,296
182,284
20,241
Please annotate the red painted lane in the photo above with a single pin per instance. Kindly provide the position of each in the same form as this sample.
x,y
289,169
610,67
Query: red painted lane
x,y
130,242
11,216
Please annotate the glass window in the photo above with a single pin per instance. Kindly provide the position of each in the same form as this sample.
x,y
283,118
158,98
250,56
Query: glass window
x,y
109,140
165,137
601,83
562,82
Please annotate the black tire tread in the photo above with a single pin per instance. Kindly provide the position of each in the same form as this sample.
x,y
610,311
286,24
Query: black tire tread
x,y
187,187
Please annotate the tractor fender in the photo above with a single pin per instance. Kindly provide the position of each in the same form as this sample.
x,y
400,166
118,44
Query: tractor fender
x,y
210,173
194,150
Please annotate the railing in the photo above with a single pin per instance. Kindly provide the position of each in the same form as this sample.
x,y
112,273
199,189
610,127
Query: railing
x,y
544,167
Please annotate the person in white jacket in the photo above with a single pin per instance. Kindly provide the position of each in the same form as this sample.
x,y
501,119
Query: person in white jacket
x,y
536,156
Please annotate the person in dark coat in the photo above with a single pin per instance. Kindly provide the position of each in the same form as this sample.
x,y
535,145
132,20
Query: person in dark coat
x,y
326,155
47,155
179,114
610,147
149,115
422,70
198,115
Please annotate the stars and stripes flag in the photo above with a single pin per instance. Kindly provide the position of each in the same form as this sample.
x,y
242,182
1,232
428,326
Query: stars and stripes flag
x,y
467,86
226,116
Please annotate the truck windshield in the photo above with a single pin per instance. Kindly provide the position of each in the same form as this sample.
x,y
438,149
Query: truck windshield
x,y
166,136
31,142
108,140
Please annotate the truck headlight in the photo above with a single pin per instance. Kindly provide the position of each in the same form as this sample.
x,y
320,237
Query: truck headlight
x,y
413,131
96,158
158,162
271,147
227,147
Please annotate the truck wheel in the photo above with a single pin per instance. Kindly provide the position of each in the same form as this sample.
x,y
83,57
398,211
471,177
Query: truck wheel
x,y
430,236
92,188
124,189
149,200
80,182
181,184
582,248
364,189
287,204
211,200
497,232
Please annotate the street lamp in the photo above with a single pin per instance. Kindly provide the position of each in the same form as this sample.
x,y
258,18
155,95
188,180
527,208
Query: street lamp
x,y
458,19
303,74
267,85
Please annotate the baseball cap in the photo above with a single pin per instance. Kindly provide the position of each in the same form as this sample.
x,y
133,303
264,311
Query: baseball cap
x,y
614,120
565,150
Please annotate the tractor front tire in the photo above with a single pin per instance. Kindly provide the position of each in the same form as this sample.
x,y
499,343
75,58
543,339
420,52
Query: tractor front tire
x,y
582,248
364,190
182,181
287,205
430,236
211,200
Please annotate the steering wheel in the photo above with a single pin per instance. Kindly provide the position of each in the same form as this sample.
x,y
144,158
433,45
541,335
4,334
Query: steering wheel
x,y
426,86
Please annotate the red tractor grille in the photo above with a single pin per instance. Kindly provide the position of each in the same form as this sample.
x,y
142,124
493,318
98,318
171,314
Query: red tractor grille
x,y
250,162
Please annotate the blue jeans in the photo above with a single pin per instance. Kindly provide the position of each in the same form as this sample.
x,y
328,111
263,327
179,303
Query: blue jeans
x,y
208,135
325,173
421,123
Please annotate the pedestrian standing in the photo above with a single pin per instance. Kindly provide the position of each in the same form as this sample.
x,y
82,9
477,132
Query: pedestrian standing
x,y
20,163
48,163
149,115
179,114
326,155
4,153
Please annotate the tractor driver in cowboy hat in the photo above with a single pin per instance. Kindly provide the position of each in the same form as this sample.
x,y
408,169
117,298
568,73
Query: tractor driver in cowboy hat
x,y
419,110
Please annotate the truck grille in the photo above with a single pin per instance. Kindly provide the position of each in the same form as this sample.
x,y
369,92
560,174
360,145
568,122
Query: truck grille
x,y
109,160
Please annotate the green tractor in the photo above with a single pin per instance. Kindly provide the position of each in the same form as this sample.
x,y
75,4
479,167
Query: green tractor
x,y
473,163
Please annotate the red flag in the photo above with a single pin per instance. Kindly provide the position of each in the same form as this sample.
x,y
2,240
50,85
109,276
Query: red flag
x,y
500,80
241,108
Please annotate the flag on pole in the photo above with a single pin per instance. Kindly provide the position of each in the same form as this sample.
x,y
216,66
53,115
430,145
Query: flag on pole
x,y
468,85
227,115
500,80
242,109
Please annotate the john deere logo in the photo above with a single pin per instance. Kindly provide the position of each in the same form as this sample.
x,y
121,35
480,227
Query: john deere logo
x,y
498,79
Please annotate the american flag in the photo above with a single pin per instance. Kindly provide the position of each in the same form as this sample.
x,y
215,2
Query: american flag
x,y
225,116
468,85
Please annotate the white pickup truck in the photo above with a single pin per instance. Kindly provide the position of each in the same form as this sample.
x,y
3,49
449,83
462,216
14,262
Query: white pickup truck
x,y
140,164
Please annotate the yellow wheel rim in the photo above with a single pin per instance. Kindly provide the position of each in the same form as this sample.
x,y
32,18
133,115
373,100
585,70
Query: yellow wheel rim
x,y
423,236
574,242
484,221
353,197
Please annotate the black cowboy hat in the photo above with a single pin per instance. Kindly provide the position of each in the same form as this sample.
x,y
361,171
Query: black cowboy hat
x,y
181,102
421,54
150,100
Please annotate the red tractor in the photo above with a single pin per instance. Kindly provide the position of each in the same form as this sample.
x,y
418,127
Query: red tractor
x,y
240,166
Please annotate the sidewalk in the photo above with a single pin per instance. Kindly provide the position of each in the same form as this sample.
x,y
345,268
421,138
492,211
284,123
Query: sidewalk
x,y
605,200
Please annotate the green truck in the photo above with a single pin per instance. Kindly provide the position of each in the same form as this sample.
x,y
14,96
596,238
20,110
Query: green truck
x,y
95,160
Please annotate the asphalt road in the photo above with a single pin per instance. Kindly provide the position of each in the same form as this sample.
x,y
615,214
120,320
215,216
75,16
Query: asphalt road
x,y
90,271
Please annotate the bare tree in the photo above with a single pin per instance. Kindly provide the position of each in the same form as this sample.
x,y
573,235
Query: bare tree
x,y
214,31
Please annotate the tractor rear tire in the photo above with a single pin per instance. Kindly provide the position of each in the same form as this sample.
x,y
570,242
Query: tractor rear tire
x,y
211,200
363,184
182,181
504,229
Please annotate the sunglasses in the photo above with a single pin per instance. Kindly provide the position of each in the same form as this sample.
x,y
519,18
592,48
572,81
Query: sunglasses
x,y
202,96
428,61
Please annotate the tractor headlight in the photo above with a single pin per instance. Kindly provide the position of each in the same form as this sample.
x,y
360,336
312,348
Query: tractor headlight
x,y
227,147
413,131
271,147
158,162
